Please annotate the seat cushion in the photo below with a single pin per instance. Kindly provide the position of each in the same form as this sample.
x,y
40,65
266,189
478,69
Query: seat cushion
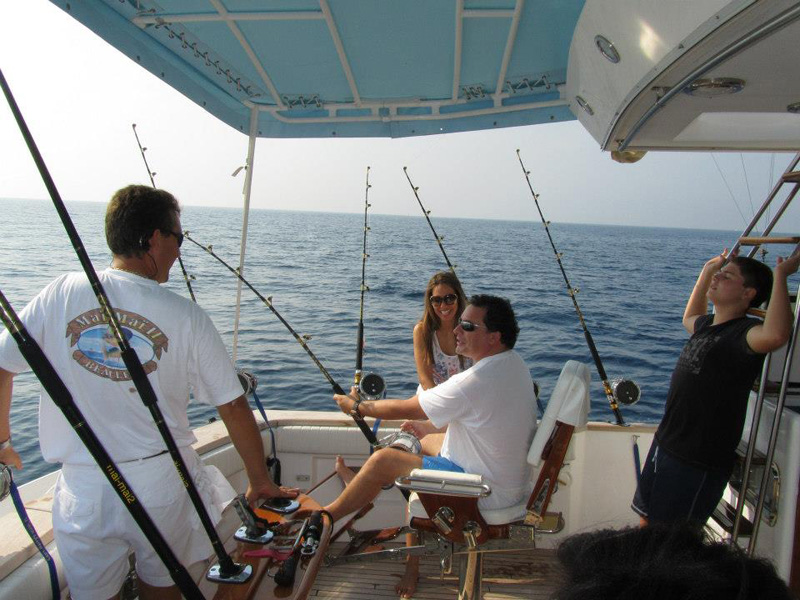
x,y
500,516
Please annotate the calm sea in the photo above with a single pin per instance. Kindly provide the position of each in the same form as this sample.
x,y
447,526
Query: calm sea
x,y
633,283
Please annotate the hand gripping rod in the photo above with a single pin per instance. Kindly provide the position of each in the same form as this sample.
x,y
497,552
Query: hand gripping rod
x,y
62,398
152,174
228,569
572,292
436,236
362,425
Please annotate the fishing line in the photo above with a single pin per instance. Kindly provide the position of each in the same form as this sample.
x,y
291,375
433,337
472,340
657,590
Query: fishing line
x,y
362,425
62,398
228,570
152,174
439,239
618,390
371,386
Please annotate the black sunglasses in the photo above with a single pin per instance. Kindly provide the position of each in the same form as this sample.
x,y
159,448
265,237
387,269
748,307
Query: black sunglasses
x,y
449,299
178,235
469,325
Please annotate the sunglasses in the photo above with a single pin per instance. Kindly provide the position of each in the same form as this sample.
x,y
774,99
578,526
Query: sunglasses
x,y
469,325
178,236
449,299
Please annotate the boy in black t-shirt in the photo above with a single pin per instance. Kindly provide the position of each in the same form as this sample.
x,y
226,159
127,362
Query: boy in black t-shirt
x,y
693,452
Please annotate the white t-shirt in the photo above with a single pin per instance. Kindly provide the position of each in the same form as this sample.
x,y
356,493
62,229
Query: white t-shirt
x,y
490,413
174,339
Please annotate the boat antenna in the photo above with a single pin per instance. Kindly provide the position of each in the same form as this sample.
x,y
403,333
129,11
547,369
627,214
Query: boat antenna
x,y
186,277
439,238
302,340
620,390
58,392
227,569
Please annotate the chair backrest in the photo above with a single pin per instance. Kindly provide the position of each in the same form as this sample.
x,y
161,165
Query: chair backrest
x,y
569,404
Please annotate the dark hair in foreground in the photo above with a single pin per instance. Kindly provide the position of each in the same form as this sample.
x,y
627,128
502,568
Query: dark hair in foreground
x,y
756,275
499,317
134,214
662,562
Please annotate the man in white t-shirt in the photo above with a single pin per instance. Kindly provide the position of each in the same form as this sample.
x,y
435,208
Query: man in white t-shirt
x,y
181,352
489,411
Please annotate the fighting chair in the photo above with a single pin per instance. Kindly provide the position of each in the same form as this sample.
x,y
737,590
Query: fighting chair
x,y
445,504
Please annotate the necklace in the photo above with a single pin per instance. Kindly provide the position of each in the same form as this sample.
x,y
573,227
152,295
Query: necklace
x,y
130,271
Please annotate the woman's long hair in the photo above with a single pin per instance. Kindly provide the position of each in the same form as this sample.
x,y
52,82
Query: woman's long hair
x,y
431,322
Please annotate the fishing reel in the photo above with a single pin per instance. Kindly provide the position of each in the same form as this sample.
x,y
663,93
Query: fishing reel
x,y
372,387
248,381
5,481
402,440
625,391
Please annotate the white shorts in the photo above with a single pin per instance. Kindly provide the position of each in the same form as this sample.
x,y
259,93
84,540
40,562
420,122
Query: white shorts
x,y
95,533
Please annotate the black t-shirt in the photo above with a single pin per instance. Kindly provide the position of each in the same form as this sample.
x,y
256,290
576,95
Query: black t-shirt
x,y
707,399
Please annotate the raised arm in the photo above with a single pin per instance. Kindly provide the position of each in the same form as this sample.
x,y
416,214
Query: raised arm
x,y
697,306
424,369
777,326
8,456
246,438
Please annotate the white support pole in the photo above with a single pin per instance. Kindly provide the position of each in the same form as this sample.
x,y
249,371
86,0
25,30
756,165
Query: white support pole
x,y
248,182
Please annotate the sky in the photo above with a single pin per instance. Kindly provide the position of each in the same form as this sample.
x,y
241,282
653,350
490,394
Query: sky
x,y
80,96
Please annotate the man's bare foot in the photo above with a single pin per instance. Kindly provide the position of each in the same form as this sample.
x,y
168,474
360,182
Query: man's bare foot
x,y
407,585
344,472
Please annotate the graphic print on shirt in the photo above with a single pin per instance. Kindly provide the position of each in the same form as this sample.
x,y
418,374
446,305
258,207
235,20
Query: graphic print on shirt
x,y
694,353
97,350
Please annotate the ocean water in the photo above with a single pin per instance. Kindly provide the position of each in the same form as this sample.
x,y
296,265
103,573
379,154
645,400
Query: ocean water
x,y
633,281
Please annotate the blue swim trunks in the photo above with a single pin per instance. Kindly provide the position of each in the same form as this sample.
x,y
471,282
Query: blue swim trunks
x,y
440,463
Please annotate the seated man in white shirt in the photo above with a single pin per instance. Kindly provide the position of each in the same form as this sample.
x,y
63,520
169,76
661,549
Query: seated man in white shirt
x,y
489,411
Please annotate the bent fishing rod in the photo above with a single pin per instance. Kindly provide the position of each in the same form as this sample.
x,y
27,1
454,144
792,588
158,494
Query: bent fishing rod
x,y
425,212
62,398
186,277
371,386
362,425
622,390
228,570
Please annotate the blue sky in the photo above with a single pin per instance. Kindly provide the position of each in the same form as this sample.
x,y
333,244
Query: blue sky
x,y
80,97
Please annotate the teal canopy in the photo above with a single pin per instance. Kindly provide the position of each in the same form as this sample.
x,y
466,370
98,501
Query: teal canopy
x,y
351,68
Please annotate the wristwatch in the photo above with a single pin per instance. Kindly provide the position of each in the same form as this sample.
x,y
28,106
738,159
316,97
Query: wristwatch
x,y
354,412
6,444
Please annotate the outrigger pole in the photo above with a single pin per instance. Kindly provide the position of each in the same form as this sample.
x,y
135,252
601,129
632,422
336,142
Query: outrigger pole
x,y
364,289
152,175
425,212
62,398
362,425
572,292
228,570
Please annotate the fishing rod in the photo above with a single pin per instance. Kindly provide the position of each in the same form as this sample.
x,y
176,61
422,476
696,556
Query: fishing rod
x,y
425,212
227,571
186,277
58,392
623,391
372,386
362,425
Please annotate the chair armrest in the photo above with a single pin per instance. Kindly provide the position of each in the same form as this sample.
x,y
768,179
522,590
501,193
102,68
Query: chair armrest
x,y
447,483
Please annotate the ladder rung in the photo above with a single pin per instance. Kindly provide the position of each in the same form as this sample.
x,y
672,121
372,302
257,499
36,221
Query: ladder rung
x,y
791,177
757,241
725,514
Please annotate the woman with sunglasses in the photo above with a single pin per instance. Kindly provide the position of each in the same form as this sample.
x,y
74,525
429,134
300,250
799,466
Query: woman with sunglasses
x,y
434,340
